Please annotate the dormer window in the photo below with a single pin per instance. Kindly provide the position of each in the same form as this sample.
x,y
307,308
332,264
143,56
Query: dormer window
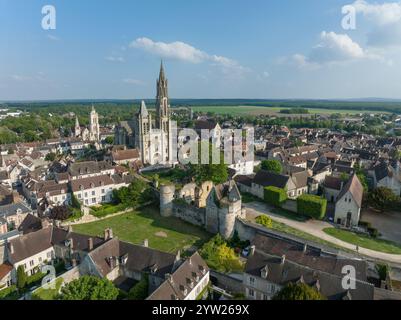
x,y
81,187
92,185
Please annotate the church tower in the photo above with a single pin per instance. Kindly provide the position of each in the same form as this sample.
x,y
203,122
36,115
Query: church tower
x,y
94,128
163,116
162,103
77,130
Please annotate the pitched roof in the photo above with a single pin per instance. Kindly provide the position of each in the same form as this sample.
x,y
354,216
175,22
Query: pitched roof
x,y
267,178
35,242
11,209
332,182
91,182
88,167
5,269
183,280
128,154
355,187
139,258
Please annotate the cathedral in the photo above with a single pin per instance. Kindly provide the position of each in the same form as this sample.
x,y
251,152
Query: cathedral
x,y
88,134
152,137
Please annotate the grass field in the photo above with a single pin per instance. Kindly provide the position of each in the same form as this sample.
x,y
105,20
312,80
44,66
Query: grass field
x,y
251,110
165,234
364,241
48,294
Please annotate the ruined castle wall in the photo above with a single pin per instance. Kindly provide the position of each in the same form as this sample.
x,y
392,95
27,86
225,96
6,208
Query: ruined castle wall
x,y
188,213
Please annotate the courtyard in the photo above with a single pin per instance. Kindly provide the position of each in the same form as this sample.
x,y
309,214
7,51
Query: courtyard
x,y
165,234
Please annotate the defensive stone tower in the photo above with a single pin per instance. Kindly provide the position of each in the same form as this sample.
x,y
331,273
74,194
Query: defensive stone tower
x,y
166,200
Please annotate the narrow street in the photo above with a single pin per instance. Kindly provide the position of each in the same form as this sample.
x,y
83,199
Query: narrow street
x,y
315,228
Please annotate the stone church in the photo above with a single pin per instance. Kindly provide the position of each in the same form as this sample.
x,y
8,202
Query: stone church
x,y
88,134
152,137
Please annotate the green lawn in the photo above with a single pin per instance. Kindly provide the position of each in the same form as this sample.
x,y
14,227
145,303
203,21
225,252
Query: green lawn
x,y
165,234
364,241
48,294
290,215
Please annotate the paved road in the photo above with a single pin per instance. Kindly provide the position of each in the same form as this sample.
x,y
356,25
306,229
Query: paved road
x,y
315,228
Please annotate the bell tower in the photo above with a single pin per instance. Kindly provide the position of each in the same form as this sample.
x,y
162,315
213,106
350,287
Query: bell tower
x,y
162,102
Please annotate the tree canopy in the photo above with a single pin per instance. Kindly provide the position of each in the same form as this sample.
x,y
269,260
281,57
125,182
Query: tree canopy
x,y
272,166
89,288
298,291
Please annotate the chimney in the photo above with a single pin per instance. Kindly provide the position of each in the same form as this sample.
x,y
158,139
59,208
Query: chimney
x,y
283,259
11,248
110,233
90,244
169,277
305,248
106,234
145,243
178,256
45,223
71,241
252,251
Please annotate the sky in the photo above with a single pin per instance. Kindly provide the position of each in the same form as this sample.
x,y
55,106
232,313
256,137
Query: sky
x,y
265,49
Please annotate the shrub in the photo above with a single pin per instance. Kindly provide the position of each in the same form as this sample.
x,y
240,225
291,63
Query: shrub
x,y
9,293
374,233
264,220
312,206
219,256
275,196
298,291
140,290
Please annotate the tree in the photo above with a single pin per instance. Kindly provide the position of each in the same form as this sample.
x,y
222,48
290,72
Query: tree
x,y
272,166
219,256
75,202
298,291
50,156
141,290
383,198
218,173
60,213
89,288
21,278
109,140
264,220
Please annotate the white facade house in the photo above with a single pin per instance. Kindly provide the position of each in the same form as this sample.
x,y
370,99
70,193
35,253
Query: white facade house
x,y
349,203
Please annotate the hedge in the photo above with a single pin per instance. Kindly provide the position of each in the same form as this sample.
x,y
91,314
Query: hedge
x,y
312,206
275,196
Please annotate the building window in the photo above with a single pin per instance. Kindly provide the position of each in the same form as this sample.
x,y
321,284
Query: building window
x,y
93,193
93,200
265,297
103,191
103,198
251,293
251,281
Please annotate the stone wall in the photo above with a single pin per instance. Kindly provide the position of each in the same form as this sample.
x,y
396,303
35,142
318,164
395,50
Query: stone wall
x,y
189,213
226,282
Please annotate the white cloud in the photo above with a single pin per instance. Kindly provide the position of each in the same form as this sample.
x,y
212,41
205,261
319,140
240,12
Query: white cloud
x,y
52,37
133,81
266,74
182,51
18,77
382,14
333,48
115,59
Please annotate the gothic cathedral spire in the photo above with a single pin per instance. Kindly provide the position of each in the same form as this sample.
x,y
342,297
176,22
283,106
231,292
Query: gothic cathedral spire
x,y
162,103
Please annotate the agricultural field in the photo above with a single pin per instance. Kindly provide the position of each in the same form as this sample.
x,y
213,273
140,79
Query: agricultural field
x,y
254,110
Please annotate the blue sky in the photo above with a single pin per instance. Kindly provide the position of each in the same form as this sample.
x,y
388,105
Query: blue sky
x,y
211,49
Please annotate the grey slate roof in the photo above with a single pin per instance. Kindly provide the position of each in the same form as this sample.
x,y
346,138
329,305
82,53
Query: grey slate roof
x,y
266,179
11,209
